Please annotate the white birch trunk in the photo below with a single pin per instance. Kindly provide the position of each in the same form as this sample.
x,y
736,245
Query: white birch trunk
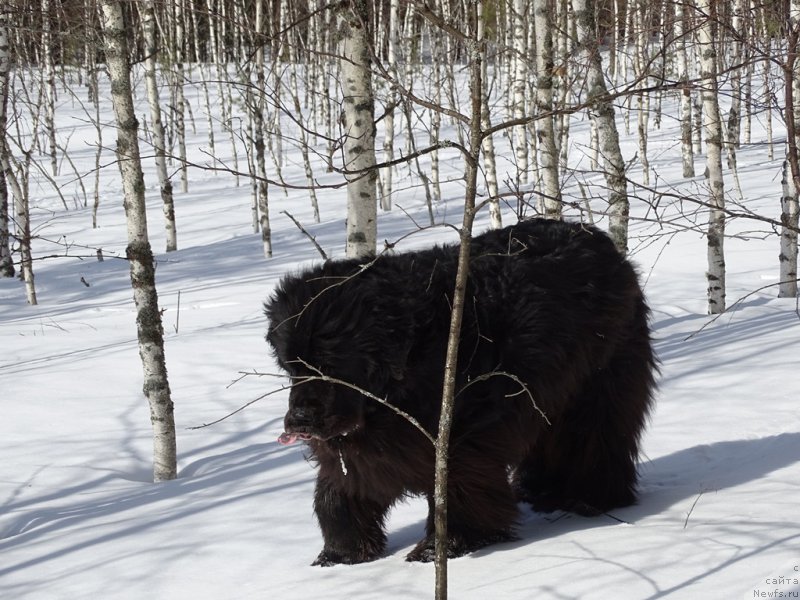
x,y
49,74
642,99
22,214
178,42
681,31
157,125
358,122
388,136
440,51
194,11
770,137
545,129
734,115
519,87
489,162
787,288
258,106
712,128
790,211
602,113
139,254
6,260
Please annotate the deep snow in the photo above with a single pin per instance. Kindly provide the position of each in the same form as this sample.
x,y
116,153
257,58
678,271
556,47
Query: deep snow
x,y
720,476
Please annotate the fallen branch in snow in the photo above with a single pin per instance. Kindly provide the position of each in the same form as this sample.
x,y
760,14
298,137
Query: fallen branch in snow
x,y
308,235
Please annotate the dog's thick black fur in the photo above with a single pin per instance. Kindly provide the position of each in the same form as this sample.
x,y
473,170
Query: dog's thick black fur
x,y
551,303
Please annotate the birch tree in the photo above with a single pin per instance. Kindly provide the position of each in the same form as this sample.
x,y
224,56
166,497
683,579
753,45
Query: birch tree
x,y
602,113
6,261
489,161
712,128
681,33
156,124
520,85
9,179
790,211
545,127
49,85
257,104
140,256
388,120
177,44
358,123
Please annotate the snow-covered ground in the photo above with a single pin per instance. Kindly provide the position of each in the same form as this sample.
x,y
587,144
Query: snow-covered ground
x,y
718,515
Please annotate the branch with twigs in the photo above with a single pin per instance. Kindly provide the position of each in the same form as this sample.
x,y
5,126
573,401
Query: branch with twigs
x,y
320,376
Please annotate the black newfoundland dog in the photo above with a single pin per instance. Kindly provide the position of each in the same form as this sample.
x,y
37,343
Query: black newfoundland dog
x,y
554,315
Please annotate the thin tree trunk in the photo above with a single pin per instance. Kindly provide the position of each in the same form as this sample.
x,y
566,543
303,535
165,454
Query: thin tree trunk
x,y
518,89
139,254
49,84
790,211
358,122
476,53
157,125
179,99
489,161
545,129
681,31
787,259
309,171
602,113
388,125
22,214
712,127
258,106
642,69
6,260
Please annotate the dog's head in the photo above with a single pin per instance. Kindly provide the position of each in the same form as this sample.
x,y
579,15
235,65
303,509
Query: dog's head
x,y
336,335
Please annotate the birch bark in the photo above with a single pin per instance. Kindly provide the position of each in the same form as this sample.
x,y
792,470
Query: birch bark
x,y
602,113
687,151
388,136
790,211
519,88
545,130
139,254
712,128
358,123
157,125
6,260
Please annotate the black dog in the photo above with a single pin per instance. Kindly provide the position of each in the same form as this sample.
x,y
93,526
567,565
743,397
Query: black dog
x,y
554,316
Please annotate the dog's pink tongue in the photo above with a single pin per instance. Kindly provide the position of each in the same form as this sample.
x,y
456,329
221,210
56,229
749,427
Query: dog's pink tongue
x,y
287,438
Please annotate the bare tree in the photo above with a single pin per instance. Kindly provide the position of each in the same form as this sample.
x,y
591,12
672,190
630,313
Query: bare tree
x,y
712,127
545,127
602,113
139,254
475,52
6,261
520,85
156,124
791,179
681,33
358,118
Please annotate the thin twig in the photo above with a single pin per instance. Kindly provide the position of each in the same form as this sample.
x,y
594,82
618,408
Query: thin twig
x,y
308,235
696,500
